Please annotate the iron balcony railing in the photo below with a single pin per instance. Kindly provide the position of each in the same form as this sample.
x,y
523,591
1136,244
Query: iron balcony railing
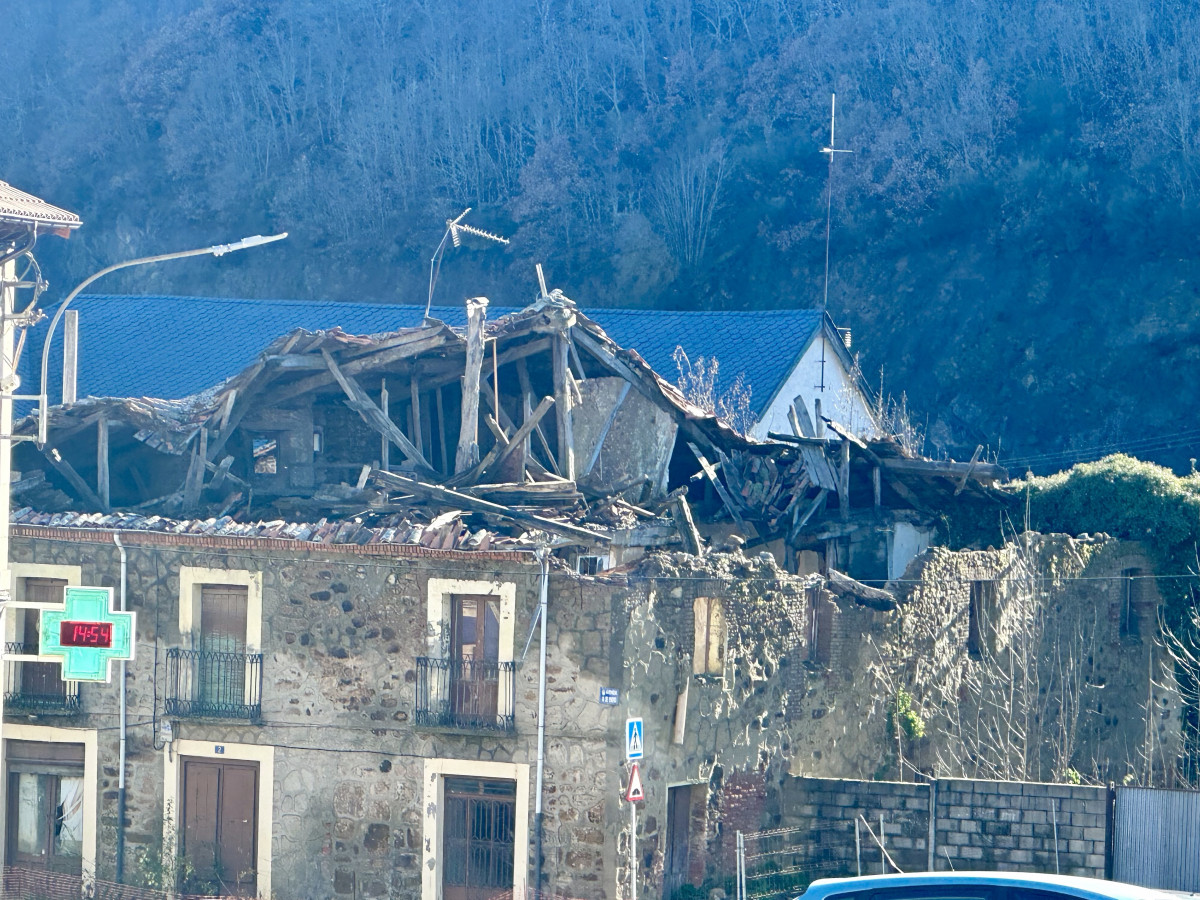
x,y
214,684
474,695
37,686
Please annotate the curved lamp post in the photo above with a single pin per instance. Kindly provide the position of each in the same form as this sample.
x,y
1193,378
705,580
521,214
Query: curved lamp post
x,y
216,250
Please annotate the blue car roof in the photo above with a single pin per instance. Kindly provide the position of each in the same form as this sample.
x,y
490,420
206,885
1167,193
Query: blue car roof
x,y
1068,885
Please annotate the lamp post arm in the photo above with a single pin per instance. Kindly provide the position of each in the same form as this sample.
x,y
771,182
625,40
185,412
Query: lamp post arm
x,y
215,250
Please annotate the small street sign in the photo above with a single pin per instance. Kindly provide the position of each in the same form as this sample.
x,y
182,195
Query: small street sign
x,y
87,634
609,696
635,794
634,744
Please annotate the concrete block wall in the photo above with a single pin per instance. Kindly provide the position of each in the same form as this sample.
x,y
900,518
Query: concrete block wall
x,y
1015,826
978,825
827,809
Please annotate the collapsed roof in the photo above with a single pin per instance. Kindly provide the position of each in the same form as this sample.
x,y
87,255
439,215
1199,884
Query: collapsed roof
x,y
533,426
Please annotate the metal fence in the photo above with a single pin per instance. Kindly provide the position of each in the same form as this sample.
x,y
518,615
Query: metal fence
x,y
37,686
465,693
782,862
1157,839
214,684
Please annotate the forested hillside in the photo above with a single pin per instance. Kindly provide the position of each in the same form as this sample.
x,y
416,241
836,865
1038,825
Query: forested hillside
x,y
1014,232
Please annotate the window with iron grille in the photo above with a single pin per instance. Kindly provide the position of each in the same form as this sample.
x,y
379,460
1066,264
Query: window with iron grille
x,y
217,673
37,686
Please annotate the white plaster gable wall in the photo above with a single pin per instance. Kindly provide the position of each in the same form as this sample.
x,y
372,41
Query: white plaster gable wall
x,y
841,400
908,541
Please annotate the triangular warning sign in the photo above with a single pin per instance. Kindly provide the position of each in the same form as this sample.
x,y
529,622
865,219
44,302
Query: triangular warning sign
x,y
635,793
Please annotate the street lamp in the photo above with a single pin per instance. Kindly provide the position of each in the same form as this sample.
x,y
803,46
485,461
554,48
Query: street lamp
x,y
216,250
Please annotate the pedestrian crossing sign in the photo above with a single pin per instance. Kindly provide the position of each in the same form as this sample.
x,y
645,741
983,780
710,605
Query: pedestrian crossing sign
x,y
633,739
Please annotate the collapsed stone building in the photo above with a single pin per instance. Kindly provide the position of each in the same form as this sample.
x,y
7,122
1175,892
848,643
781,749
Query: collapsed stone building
x,y
345,563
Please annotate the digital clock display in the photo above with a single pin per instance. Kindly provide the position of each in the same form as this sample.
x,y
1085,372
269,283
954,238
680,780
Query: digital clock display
x,y
85,634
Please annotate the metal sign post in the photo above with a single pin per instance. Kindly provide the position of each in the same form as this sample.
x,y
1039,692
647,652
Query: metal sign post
x,y
635,746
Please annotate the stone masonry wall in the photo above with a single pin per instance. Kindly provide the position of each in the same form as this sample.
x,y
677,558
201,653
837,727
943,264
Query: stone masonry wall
x,y
340,637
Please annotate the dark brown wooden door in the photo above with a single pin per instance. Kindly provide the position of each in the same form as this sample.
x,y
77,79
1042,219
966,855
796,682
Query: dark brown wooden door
x,y
679,814
220,826
478,836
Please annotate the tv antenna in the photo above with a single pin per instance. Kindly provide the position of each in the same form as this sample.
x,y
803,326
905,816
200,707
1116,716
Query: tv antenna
x,y
830,151
455,228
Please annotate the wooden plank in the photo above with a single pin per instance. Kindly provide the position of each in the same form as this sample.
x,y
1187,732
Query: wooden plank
x,y
442,442
68,472
193,484
414,390
226,409
575,360
385,406
681,512
362,364
372,414
467,454
562,399
70,356
945,468
798,413
522,434
526,414
527,389
876,483
711,473
102,481
962,482
612,417
844,480
817,503
443,377
458,500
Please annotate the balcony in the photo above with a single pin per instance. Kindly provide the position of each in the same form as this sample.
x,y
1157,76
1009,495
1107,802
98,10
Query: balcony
x,y
466,694
214,685
37,687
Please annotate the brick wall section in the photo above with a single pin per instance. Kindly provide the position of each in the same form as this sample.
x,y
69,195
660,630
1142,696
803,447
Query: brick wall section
x,y
980,825
743,806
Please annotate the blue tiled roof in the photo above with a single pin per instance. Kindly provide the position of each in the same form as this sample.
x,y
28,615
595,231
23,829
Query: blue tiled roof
x,y
170,347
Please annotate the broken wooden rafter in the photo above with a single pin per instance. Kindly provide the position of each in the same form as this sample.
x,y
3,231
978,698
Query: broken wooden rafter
x,y
518,439
392,481
945,468
438,338
467,454
681,512
801,521
527,390
711,473
562,399
68,472
358,401
962,482
845,586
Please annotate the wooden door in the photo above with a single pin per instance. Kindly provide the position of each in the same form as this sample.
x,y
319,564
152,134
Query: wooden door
x,y
679,814
222,660
475,647
220,827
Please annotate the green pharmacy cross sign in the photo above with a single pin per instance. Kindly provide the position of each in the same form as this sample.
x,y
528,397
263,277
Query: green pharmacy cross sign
x,y
87,634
